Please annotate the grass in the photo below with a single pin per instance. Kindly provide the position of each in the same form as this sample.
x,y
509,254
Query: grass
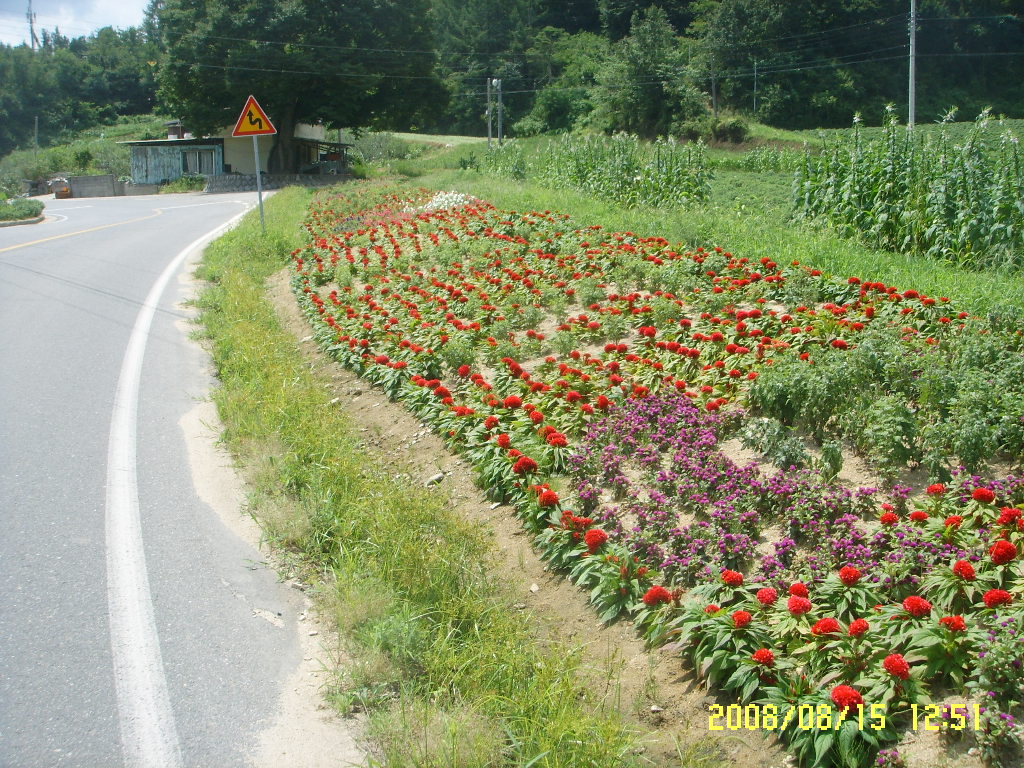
x,y
450,674
185,183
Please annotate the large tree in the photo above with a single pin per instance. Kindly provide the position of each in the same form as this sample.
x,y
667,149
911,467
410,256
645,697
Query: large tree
x,y
644,87
358,63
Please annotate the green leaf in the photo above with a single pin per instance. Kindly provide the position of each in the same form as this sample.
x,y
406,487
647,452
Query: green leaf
x,y
822,745
750,687
848,735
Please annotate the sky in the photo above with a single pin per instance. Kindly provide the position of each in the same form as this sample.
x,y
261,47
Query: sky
x,y
74,18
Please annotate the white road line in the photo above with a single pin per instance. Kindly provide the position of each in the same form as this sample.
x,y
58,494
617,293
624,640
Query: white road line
x,y
149,736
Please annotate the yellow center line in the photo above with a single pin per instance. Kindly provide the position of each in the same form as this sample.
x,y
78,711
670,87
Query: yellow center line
x,y
80,232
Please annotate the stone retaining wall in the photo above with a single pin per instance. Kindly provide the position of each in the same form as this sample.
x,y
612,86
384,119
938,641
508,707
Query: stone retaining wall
x,y
240,182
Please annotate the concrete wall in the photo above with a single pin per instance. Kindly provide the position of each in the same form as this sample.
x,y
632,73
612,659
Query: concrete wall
x,y
92,186
239,155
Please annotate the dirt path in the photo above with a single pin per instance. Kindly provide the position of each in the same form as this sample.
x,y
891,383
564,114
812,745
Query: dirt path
x,y
652,688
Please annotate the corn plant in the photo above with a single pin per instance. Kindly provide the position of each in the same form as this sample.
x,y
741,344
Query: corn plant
x,y
960,201
619,168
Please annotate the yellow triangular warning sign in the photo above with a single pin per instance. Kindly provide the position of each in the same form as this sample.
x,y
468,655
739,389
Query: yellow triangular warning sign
x,y
253,121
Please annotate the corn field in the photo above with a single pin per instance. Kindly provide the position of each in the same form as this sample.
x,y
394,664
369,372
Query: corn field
x,y
960,201
619,168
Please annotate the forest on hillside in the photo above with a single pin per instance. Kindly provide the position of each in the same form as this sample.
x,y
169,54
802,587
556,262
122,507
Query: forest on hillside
x,y
672,68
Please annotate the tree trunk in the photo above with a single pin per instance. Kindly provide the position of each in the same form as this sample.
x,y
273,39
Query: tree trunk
x,y
284,156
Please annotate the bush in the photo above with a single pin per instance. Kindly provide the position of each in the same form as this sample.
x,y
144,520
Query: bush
x,y
732,129
708,128
20,208
186,183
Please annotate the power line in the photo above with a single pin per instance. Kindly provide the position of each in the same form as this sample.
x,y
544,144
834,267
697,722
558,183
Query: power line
x,y
985,53
364,76
402,51
823,32
1003,17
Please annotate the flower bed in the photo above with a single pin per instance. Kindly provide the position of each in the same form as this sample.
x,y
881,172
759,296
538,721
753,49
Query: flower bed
x,y
590,379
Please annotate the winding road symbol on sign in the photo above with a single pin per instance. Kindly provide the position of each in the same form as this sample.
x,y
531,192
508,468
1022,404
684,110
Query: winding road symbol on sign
x,y
253,121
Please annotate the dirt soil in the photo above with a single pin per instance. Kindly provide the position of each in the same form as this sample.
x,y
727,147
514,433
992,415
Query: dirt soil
x,y
651,687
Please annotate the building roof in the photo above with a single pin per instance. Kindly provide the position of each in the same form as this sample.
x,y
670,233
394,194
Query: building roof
x,y
213,139
169,142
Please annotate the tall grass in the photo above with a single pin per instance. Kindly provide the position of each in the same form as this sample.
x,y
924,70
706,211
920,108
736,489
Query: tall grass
x,y
958,201
620,168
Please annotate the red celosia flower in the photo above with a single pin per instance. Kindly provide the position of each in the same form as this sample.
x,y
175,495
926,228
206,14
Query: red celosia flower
x,y
557,439
827,626
889,518
798,606
846,697
996,597
849,575
504,441
594,538
732,578
954,623
1002,552
896,666
917,606
858,627
657,595
764,657
918,515
524,465
536,417
767,596
712,609
490,422
1009,515
547,498
983,495
464,370
740,619
936,489
512,401
799,589
964,570
954,521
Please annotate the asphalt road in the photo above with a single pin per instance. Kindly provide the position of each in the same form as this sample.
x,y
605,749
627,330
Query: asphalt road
x,y
134,626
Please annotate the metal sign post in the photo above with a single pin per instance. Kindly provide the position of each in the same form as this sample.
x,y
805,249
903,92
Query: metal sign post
x,y
259,182
254,122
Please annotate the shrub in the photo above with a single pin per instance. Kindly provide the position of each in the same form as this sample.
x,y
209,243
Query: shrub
x,y
20,208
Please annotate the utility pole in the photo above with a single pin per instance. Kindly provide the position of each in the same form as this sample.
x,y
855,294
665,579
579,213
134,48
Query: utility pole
x,y
714,93
35,142
489,126
755,88
912,107
32,25
501,112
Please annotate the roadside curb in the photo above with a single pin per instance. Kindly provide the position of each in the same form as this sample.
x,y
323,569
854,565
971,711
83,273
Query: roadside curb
x,y
22,221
